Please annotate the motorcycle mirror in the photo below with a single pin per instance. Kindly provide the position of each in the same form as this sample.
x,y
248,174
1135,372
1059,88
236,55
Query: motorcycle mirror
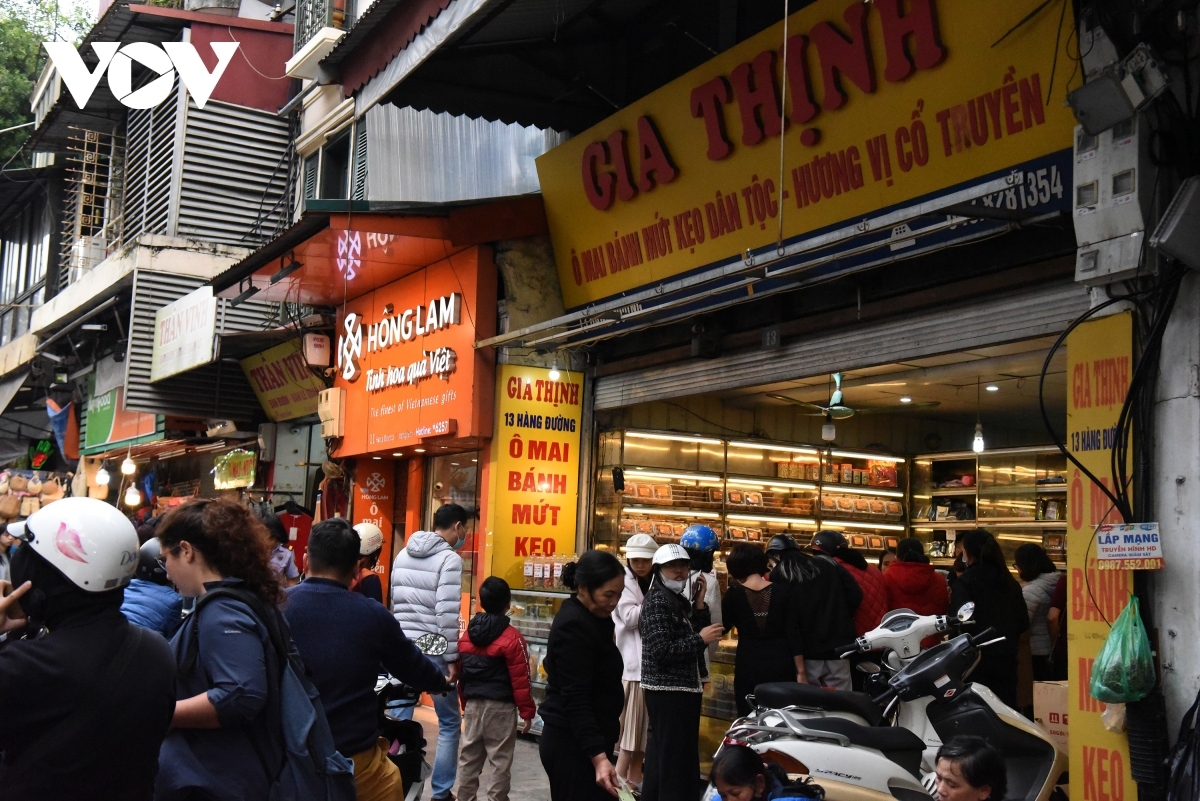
x,y
432,644
965,611
869,668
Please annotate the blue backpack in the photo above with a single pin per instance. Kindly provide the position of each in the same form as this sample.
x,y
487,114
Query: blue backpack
x,y
313,770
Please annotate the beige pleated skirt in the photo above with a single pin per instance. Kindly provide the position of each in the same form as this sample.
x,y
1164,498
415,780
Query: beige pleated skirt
x,y
635,723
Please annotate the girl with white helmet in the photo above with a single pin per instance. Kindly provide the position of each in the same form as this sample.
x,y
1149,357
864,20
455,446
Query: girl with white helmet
x,y
639,555
676,630
370,544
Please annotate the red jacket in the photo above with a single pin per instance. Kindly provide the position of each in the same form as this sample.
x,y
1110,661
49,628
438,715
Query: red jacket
x,y
917,586
874,601
494,664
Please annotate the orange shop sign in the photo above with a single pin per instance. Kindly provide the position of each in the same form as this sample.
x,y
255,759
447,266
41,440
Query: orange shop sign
x,y
406,357
886,102
285,386
374,502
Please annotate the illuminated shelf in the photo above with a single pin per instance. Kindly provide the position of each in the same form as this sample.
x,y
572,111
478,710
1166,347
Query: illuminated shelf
x,y
832,522
667,511
853,489
752,518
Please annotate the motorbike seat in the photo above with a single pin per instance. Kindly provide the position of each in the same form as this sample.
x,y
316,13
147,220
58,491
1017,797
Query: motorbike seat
x,y
778,694
899,745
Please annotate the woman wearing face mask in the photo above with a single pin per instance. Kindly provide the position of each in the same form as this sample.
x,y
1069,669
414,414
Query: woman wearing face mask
x,y
639,553
582,709
675,633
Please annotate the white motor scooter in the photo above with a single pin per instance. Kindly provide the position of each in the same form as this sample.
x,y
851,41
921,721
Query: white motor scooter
x,y
815,732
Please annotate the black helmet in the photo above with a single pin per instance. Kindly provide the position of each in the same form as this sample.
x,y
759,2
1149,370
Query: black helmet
x,y
782,542
149,568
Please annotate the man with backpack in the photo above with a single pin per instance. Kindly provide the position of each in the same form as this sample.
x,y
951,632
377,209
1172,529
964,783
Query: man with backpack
x,y
345,640
426,595
86,706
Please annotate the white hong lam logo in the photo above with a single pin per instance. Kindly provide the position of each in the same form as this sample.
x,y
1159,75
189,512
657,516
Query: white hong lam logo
x,y
166,60
349,257
374,482
350,347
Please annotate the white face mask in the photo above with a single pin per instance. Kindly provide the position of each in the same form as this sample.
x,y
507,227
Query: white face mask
x,y
683,586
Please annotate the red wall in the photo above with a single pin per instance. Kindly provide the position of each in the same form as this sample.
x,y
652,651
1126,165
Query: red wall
x,y
263,85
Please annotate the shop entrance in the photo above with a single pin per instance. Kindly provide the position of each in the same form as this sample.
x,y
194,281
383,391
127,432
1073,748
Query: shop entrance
x,y
895,457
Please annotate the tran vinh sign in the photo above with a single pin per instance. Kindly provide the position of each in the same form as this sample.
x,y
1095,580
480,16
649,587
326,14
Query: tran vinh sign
x,y
886,102
165,60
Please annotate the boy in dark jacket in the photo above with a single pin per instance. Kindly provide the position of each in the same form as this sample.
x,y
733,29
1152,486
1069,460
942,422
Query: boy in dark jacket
x,y
493,684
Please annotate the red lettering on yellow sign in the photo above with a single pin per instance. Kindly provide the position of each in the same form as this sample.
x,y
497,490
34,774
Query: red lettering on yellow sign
x,y
1103,774
534,546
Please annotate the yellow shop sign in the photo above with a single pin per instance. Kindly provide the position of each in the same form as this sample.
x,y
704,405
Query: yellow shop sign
x,y
886,102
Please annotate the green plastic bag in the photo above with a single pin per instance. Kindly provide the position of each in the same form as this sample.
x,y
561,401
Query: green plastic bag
x,y
1124,669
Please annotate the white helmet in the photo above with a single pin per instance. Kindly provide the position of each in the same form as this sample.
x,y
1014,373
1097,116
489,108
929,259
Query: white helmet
x,y
640,546
370,538
89,541
671,553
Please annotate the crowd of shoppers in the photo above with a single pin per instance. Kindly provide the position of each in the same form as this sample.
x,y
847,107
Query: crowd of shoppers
x,y
626,661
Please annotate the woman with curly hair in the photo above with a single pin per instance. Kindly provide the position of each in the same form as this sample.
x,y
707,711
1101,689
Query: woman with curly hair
x,y
226,737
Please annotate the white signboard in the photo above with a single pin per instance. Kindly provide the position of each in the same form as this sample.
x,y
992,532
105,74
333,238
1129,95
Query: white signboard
x,y
1134,546
185,334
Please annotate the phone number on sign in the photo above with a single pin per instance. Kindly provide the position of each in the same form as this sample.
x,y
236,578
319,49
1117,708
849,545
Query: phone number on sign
x,y
1130,564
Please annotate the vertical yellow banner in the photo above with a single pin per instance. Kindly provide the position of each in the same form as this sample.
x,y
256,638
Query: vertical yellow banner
x,y
536,471
1099,366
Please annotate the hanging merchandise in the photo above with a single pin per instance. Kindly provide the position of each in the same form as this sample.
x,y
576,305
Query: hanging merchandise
x,y
41,454
1124,669
64,424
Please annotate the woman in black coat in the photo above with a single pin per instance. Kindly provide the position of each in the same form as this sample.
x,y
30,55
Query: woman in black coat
x,y
999,604
767,617
584,695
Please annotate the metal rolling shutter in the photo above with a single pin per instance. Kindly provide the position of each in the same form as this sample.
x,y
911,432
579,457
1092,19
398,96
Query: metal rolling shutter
x,y
993,321
235,174
218,390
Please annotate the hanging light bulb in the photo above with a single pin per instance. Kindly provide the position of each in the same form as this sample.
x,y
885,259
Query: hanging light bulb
x,y
132,496
829,430
128,468
554,374
977,443
102,476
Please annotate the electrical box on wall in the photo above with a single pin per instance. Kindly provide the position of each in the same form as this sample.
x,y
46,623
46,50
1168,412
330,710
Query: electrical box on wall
x,y
316,350
1113,191
331,409
266,441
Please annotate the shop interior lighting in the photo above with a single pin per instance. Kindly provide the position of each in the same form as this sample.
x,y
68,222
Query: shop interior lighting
x,y
637,472
377,458
764,447
397,455
641,510
102,476
132,496
872,456
845,524
856,490
828,430
128,468
245,296
977,442
799,521
418,450
906,399
554,374
285,272
672,437
992,388
782,485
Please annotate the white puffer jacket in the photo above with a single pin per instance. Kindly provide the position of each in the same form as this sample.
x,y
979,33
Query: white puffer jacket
x,y
427,589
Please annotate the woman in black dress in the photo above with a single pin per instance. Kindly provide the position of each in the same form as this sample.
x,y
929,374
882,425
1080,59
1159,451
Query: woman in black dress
x,y
582,711
767,619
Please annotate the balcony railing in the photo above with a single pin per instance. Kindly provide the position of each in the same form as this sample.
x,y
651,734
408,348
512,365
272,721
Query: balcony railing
x,y
313,15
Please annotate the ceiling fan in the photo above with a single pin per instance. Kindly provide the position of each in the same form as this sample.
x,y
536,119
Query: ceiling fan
x,y
837,410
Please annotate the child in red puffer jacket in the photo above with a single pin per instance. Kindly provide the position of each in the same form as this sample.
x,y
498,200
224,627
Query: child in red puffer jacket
x,y
493,684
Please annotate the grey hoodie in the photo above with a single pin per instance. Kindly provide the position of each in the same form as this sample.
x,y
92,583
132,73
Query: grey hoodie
x,y
427,589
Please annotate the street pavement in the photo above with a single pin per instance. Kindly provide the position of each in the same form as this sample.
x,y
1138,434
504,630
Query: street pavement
x,y
528,778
